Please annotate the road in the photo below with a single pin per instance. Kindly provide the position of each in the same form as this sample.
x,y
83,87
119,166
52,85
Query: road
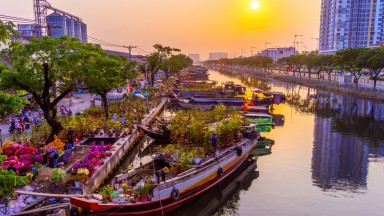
x,y
79,103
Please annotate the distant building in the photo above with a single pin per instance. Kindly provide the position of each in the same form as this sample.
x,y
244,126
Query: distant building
x,y
195,57
278,53
218,56
27,30
59,25
346,23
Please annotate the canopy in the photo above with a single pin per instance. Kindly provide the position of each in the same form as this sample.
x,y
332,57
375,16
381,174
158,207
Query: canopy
x,y
140,95
136,92
145,94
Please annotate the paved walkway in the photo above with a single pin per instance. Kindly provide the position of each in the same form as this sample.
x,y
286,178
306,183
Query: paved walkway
x,y
79,103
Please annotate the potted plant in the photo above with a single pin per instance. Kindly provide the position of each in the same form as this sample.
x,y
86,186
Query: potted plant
x,y
105,193
82,175
57,175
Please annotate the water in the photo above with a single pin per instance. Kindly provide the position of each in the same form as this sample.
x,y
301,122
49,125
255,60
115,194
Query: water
x,y
327,159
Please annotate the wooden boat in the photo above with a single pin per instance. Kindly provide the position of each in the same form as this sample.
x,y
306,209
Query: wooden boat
x,y
178,189
257,109
159,132
211,103
259,118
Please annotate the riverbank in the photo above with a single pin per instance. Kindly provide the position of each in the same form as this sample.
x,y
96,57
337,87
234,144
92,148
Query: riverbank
x,y
326,85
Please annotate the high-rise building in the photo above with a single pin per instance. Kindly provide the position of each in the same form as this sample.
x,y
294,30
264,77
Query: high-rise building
x,y
218,56
195,57
350,23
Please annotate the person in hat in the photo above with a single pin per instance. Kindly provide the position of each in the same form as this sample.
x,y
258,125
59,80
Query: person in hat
x,y
161,173
114,117
213,141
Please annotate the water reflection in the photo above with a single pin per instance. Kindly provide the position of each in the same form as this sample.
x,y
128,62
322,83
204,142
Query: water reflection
x,y
224,198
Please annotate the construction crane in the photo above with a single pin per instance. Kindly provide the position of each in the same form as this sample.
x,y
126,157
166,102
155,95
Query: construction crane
x,y
41,8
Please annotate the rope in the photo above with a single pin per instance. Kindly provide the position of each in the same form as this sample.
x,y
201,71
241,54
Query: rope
x,y
158,191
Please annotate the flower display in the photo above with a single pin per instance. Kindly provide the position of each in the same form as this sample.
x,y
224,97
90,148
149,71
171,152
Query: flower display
x,y
56,145
22,158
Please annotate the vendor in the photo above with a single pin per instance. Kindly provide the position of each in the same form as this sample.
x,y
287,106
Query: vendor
x,y
160,173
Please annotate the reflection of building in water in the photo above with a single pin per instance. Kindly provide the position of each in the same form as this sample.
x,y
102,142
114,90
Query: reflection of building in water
x,y
338,161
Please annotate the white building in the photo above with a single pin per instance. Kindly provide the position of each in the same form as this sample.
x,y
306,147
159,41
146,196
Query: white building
x,y
218,56
195,57
278,53
347,23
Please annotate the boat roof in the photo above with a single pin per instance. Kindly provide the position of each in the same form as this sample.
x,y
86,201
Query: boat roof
x,y
258,90
274,93
257,108
258,115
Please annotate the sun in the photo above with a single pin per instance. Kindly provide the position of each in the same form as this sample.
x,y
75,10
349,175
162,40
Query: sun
x,y
255,5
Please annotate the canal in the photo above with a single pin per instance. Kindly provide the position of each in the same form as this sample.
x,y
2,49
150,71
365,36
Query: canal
x,y
327,159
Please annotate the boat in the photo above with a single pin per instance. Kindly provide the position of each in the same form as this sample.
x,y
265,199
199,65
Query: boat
x,y
257,109
278,97
210,103
177,189
259,118
156,132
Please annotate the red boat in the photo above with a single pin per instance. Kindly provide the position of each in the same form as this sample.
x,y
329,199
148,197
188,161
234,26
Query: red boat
x,y
178,189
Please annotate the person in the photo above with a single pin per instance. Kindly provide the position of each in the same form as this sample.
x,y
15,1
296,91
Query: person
x,y
70,135
92,100
213,140
245,107
122,120
114,117
160,174
13,125
67,155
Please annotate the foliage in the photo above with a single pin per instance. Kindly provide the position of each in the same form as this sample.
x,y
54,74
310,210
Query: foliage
x,y
155,61
40,134
347,59
144,190
372,59
93,158
176,63
106,191
38,66
82,174
7,29
11,103
104,72
57,175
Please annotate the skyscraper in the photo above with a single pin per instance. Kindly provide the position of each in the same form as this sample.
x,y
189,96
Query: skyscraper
x,y
350,23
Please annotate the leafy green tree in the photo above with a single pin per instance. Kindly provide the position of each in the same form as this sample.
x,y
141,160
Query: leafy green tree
x,y
46,68
175,63
310,62
104,72
373,60
328,64
6,31
347,59
298,63
155,61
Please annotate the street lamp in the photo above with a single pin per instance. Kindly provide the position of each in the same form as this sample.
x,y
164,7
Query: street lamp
x,y
266,51
297,46
317,43
252,51
294,42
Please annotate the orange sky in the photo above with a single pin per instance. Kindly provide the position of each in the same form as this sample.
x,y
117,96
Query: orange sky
x,y
194,26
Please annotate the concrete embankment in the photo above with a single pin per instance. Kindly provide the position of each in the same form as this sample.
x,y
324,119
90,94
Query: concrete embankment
x,y
121,148
350,90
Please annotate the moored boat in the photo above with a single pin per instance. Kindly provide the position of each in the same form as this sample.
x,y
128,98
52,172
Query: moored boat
x,y
259,118
156,132
177,189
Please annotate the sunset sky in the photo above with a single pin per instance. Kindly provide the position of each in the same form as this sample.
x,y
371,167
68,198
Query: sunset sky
x,y
194,26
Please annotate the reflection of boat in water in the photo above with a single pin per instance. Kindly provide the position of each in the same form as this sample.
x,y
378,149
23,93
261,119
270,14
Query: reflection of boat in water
x,y
263,147
179,188
259,118
223,195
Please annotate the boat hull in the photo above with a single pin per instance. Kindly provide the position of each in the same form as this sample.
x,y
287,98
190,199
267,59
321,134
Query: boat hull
x,y
205,179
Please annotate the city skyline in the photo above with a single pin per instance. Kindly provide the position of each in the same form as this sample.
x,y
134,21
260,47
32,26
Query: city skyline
x,y
192,26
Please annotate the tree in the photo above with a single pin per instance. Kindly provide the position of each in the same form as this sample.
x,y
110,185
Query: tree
x,y
46,68
347,59
155,61
373,60
328,64
104,72
310,62
286,62
297,62
6,31
176,63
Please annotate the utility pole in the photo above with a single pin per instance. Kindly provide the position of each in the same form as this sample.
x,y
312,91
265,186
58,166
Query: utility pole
x,y
130,50
297,46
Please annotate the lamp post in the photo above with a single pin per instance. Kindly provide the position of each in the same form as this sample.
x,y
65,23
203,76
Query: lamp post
x,y
252,51
297,46
266,51
294,42
317,43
